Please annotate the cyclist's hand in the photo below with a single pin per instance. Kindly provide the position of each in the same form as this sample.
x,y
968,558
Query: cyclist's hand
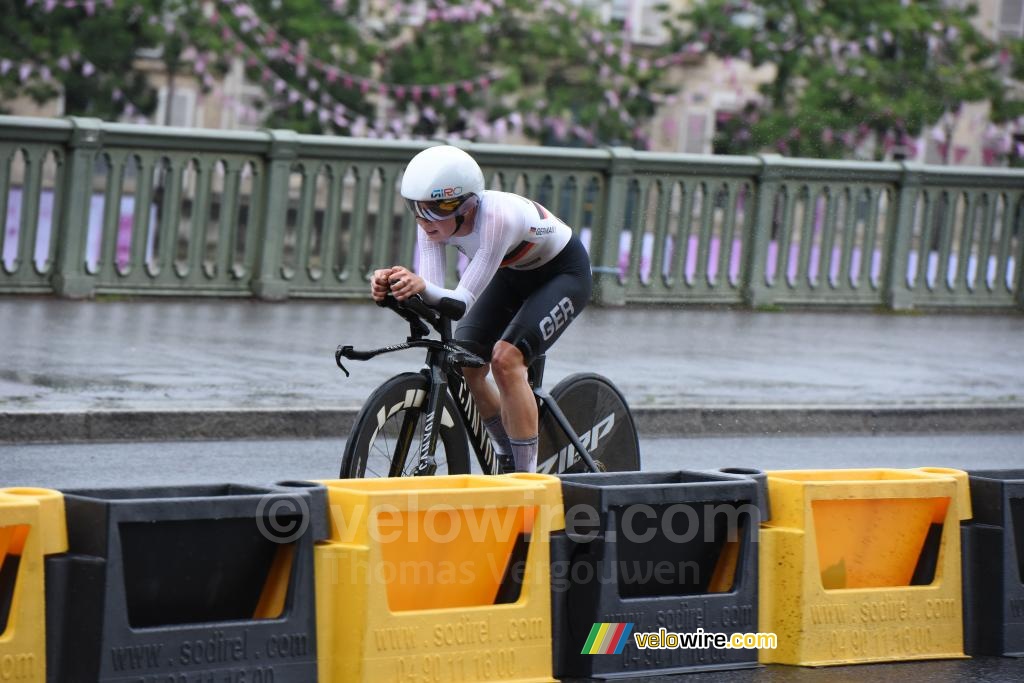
x,y
405,283
379,283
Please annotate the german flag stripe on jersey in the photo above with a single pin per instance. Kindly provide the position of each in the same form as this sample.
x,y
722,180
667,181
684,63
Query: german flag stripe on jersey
x,y
541,210
518,253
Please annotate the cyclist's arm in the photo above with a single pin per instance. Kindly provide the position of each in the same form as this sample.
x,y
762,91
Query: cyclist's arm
x,y
481,268
432,265
432,260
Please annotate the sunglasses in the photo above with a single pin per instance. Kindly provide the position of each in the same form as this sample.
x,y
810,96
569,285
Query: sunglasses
x,y
440,209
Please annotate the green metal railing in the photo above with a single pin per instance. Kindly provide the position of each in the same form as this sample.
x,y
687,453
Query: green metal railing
x,y
94,208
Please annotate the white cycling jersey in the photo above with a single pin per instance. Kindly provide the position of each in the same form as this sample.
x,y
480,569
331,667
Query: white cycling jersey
x,y
509,231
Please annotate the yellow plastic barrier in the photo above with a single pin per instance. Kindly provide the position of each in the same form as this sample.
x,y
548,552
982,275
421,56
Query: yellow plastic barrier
x,y
31,526
863,565
437,579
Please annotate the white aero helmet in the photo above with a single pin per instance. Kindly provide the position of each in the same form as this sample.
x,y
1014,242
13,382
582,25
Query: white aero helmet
x,y
441,182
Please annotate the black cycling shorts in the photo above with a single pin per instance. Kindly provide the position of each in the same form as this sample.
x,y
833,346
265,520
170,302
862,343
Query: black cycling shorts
x,y
529,308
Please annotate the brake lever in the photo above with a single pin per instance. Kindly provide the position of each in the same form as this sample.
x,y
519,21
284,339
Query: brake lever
x,y
337,358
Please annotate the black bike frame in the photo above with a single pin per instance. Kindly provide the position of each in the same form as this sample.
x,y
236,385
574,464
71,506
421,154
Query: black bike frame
x,y
455,383
443,376
427,464
473,421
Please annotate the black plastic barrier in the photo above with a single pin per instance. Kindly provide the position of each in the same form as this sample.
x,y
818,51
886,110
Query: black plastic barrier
x,y
993,563
649,555
189,583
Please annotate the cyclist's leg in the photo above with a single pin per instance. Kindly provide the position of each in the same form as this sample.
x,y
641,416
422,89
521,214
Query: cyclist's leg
x,y
484,395
560,291
488,402
478,331
518,404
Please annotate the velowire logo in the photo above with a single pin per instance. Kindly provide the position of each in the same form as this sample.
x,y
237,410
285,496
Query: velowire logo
x,y
607,638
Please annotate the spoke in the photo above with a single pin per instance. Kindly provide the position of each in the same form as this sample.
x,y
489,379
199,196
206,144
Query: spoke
x,y
382,452
386,449
396,454
403,445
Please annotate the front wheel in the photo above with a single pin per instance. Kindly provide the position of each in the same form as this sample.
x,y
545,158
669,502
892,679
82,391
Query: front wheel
x,y
385,438
599,415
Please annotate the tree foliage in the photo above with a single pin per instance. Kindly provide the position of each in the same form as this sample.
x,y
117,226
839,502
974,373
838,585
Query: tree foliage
x,y
861,75
94,53
849,76
288,45
566,73
1008,104
451,67
49,50
407,67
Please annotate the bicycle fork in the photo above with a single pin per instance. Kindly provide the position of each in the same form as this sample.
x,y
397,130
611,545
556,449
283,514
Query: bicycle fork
x,y
427,464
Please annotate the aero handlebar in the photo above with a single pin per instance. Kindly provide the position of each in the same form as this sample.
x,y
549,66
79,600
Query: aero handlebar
x,y
417,313
453,309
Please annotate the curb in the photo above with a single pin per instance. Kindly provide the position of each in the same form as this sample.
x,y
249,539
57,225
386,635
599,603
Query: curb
x,y
178,425
799,420
315,423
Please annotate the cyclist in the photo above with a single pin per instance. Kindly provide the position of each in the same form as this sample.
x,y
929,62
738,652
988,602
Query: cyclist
x,y
528,277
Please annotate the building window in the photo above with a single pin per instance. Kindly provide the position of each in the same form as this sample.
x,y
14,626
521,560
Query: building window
x,y
183,108
619,12
640,19
696,133
647,22
1011,19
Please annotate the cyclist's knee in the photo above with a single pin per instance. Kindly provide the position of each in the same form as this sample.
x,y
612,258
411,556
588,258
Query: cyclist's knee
x,y
507,361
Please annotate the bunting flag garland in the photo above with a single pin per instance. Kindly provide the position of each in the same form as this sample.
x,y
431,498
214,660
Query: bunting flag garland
x,y
89,6
276,47
307,82
268,76
266,38
474,125
327,109
26,71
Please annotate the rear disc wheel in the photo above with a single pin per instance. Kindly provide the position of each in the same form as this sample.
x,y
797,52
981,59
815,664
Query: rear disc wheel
x,y
600,416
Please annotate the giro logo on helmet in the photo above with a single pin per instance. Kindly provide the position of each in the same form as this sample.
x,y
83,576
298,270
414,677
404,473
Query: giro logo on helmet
x,y
441,182
442,193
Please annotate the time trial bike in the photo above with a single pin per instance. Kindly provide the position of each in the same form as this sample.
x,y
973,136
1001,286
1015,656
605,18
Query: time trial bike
x,y
423,423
